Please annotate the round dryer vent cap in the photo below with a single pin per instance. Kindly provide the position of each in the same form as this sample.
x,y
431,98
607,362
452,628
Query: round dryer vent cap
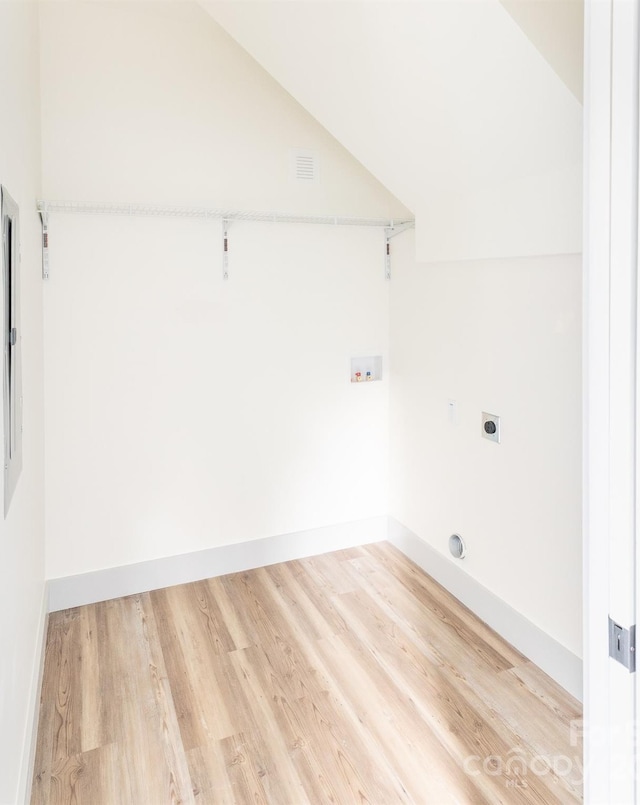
x,y
457,546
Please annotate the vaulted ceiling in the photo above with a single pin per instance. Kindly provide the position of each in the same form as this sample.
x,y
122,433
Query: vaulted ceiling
x,y
469,111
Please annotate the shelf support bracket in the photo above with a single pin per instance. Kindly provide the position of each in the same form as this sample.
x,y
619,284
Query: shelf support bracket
x,y
397,229
225,249
387,255
390,232
44,217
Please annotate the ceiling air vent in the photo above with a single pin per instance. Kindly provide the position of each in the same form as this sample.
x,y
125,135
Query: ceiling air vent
x,y
304,166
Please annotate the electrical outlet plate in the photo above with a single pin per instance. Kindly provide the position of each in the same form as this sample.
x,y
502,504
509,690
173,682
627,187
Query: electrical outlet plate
x,y
487,419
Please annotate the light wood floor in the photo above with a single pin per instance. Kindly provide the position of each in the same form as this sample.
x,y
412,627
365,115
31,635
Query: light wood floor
x,y
346,678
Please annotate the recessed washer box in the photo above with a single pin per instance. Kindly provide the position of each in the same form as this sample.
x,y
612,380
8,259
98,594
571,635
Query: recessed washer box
x,y
491,427
366,368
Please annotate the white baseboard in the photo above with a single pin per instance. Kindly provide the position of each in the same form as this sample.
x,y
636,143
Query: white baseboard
x,y
29,748
542,649
102,585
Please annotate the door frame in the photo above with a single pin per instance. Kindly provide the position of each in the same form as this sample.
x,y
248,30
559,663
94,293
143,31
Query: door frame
x,y
610,392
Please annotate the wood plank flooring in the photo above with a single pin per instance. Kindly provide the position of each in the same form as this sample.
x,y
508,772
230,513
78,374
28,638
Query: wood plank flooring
x,y
346,678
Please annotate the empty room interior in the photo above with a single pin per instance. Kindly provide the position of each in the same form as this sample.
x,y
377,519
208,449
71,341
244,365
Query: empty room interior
x,y
294,502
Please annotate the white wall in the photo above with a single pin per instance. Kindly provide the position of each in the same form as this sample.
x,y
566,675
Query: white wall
x,y
503,337
449,104
154,102
184,412
266,435
22,532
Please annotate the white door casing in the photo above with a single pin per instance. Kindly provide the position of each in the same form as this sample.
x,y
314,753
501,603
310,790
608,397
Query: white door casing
x,y
610,391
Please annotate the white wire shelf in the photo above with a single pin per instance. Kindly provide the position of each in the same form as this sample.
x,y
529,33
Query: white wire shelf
x,y
204,212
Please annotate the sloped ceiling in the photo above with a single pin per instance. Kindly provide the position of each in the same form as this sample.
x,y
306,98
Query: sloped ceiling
x,y
556,28
449,104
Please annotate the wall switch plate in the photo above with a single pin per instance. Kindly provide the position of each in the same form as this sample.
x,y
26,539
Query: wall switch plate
x,y
491,427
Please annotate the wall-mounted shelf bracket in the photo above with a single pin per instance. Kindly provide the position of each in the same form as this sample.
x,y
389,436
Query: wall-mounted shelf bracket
x,y
387,256
44,217
225,249
397,229
390,232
